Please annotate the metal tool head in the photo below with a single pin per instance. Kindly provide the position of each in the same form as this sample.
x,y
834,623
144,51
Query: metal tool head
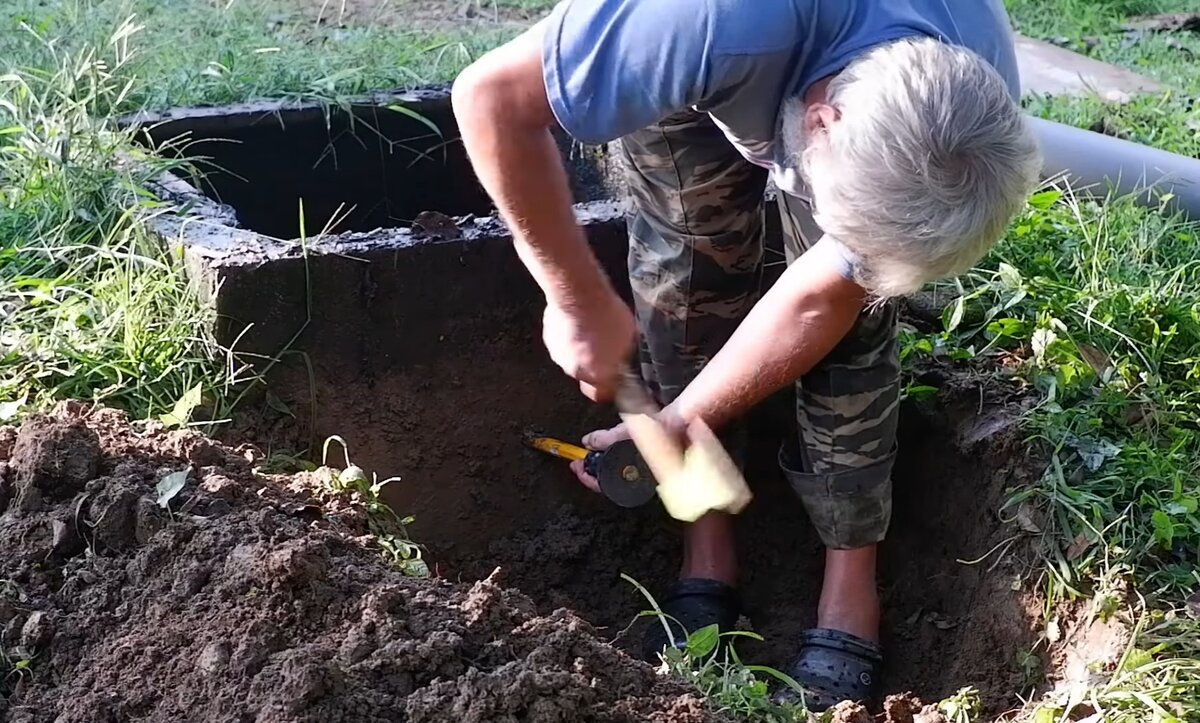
x,y
624,476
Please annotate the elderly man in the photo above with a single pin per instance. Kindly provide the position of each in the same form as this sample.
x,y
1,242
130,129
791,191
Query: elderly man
x,y
892,133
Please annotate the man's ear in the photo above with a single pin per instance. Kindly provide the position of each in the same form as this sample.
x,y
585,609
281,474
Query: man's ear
x,y
818,117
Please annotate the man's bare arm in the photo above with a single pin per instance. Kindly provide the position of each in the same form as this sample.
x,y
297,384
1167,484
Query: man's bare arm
x,y
505,118
795,325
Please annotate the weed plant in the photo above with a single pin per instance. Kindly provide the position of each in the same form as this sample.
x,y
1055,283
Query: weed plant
x,y
93,306
1094,306
388,529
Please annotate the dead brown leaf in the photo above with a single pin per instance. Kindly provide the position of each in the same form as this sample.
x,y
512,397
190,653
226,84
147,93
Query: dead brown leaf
x,y
1079,545
1025,519
1138,412
1096,359
437,225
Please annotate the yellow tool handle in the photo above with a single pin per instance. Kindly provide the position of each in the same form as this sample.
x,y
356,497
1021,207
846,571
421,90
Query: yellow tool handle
x,y
558,448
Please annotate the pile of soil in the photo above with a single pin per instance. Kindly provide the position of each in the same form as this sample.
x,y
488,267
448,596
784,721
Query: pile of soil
x,y
259,598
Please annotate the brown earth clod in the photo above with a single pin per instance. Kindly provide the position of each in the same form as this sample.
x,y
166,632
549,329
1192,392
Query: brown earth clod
x,y
254,613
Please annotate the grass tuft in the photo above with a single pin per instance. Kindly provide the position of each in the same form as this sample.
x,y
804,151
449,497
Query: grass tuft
x,y
92,306
1094,307
212,53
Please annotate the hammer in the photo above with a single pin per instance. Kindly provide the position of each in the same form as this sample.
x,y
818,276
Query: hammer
x,y
690,481
623,475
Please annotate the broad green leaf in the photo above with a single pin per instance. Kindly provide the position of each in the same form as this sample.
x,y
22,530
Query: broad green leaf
x,y
1006,327
181,414
170,485
703,641
1182,506
1138,658
1047,715
1164,529
920,391
1045,199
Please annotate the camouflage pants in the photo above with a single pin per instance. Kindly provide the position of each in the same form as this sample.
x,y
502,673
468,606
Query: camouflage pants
x,y
696,266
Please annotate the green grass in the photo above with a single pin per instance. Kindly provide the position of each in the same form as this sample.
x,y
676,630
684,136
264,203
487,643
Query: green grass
x,y
388,529
92,305
1168,120
1095,307
203,53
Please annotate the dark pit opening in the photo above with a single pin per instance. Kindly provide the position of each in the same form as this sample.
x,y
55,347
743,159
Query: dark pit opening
x,y
370,164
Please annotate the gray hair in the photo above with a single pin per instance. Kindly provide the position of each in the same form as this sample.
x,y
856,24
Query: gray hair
x,y
929,161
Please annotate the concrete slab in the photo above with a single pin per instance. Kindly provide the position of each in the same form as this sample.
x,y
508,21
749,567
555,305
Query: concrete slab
x,y
1050,70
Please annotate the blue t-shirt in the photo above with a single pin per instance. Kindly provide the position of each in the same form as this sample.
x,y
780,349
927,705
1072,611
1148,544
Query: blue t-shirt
x,y
612,67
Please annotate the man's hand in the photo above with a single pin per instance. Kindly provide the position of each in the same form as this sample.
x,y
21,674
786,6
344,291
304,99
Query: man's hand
x,y
602,439
591,345
599,440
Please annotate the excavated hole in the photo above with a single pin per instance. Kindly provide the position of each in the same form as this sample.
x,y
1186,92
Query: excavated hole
x,y
358,169
946,624
426,357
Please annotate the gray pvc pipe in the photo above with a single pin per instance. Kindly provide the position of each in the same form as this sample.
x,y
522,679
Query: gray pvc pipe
x,y
1095,164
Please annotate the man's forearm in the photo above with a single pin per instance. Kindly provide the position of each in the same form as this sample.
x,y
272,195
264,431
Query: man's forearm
x,y
505,130
795,325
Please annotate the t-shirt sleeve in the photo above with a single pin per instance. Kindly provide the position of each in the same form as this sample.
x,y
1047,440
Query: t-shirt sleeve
x,y
612,67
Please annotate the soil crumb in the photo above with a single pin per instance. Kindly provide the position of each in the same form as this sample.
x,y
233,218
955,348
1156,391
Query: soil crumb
x,y
906,708
251,597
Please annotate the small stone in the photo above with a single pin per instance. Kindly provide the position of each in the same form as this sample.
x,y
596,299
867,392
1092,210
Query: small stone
x,y
850,712
65,539
37,631
13,629
149,519
219,486
214,658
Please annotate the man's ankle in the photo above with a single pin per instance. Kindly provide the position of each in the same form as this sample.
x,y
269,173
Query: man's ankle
x,y
849,596
708,550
